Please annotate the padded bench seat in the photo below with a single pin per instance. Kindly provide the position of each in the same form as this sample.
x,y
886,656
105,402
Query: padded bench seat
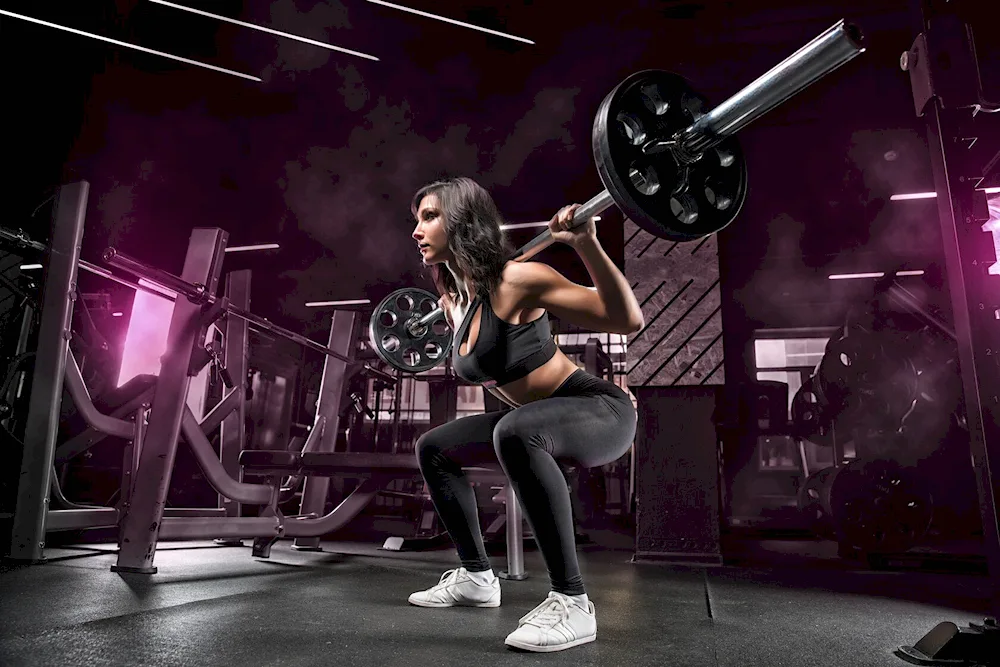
x,y
343,464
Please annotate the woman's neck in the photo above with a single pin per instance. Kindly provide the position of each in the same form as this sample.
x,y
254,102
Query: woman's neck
x,y
465,288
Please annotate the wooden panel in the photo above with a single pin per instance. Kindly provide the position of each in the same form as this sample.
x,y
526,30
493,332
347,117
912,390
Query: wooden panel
x,y
677,285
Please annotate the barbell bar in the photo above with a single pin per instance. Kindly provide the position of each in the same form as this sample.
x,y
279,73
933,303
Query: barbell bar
x,y
833,48
21,239
199,294
167,283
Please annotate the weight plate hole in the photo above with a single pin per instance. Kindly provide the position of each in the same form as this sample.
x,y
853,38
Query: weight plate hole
x,y
411,357
426,306
387,319
390,343
631,128
404,303
726,159
693,106
844,359
433,350
653,100
718,200
645,179
440,328
684,209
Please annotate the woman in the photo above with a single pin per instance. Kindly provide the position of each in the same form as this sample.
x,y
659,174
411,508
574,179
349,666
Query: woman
x,y
498,311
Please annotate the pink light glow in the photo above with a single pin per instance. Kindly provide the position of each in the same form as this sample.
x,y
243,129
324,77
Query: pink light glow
x,y
146,339
994,226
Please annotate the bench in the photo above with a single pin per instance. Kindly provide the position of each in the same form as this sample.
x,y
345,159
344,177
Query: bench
x,y
383,468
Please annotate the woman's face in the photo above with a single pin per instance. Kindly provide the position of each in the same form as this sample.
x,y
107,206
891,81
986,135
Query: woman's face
x,y
430,234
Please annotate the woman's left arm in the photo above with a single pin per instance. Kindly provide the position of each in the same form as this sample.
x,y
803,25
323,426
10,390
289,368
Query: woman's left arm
x,y
610,307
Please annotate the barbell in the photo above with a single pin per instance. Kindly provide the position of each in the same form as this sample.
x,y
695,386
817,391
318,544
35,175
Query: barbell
x,y
673,168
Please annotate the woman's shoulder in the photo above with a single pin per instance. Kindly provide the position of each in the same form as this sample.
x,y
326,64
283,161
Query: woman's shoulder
x,y
527,275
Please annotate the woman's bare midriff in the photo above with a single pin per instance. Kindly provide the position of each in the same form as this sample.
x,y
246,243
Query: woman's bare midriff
x,y
541,382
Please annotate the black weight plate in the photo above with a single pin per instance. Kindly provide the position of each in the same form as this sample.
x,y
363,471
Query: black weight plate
x,y
879,506
393,341
679,202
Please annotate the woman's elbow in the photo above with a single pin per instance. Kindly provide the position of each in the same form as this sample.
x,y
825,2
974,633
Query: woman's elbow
x,y
636,324
631,325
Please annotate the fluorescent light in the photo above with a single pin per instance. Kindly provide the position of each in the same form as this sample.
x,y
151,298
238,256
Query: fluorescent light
x,y
268,30
30,267
915,195
932,195
852,276
117,314
248,248
452,21
127,45
349,302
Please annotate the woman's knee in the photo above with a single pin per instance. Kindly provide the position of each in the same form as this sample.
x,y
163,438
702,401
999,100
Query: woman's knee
x,y
512,439
430,447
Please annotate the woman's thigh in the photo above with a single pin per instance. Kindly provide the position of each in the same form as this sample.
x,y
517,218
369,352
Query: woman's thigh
x,y
468,441
584,430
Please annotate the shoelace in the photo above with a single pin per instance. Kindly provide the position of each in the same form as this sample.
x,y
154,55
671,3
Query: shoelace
x,y
548,613
448,577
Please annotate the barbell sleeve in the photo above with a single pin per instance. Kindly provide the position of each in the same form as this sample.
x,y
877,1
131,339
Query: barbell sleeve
x,y
834,47
162,278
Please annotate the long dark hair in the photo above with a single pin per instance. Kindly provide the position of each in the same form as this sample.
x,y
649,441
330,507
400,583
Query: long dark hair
x,y
472,222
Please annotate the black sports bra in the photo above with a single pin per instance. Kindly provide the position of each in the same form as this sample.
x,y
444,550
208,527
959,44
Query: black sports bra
x,y
503,352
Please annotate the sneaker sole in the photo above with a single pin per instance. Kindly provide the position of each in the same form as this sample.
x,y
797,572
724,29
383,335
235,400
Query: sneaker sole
x,y
441,605
549,649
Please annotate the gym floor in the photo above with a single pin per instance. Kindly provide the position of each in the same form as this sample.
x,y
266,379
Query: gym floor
x,y
212,605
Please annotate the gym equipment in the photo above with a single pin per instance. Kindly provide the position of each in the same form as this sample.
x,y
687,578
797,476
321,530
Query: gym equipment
x,y
868,506
400,344
676,171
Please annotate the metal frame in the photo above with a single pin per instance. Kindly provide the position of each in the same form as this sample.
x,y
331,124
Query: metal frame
x,y
28,533
343,332
141,521
233,437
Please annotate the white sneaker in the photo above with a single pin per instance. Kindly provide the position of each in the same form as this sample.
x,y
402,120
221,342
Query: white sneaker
x,y
556,624
457,589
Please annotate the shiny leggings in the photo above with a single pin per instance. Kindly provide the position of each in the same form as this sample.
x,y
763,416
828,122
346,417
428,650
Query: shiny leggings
x,y
586,422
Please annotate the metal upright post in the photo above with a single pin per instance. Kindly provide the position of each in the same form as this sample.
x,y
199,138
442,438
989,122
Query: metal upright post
x,y
969,252
331,388
233,437
141,522
59,292
944,76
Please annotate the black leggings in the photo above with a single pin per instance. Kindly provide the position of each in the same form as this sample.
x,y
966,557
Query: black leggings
x,y
586,422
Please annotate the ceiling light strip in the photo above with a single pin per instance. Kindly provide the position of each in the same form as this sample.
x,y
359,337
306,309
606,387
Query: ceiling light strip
x,y
248,248
349,302
268,30
127,45
932,195
452,21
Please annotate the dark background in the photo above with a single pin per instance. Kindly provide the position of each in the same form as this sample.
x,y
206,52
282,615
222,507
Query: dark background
x,y
324,154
